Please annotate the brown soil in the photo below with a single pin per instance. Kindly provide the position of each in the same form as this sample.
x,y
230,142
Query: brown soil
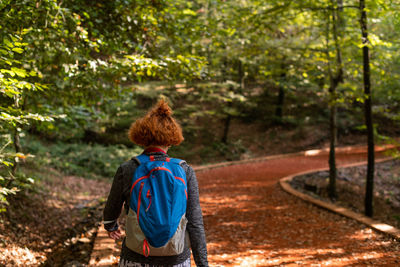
x,y
251,221
351,187
250,140
55,226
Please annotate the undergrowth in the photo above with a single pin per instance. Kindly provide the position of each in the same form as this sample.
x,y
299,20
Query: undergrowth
x,y
79,159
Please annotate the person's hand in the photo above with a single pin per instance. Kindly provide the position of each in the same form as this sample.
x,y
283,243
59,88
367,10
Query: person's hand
x,y
115,234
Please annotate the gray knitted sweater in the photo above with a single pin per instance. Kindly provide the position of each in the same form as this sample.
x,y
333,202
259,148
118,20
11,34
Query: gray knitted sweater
x,y
119,196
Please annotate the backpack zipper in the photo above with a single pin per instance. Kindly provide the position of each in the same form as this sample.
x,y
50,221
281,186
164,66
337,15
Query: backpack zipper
x,y
148,176
148,195
139,200
183,181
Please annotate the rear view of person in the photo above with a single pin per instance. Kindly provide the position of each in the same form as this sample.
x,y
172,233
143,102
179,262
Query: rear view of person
x,y
161,197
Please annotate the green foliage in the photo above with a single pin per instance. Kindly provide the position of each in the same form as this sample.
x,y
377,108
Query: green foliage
x,y
17,83
80,158
230,151
166,68
84,52
11,182
69,71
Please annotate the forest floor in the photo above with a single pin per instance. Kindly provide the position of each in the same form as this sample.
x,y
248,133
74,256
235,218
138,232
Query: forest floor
x,y
55,224
250,221
350,186
254,223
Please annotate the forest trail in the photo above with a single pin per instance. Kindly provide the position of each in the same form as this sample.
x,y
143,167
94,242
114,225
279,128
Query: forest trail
x,y
251,221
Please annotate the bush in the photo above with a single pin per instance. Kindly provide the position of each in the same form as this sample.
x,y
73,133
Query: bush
x,y
11,181
80,158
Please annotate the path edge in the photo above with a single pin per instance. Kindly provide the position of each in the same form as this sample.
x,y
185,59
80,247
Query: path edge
x,y
378,148
102,242
371,223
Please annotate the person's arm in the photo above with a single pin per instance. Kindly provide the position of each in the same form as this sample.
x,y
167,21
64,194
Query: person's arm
x,y
113,206
195,225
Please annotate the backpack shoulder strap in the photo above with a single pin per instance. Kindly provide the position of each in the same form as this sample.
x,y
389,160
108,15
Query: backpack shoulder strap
x,y
142,158
176,161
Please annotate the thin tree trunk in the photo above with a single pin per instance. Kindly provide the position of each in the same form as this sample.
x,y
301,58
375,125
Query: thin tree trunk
x,y
15,134
280,103
281,94
17,147
226,129
334,82
240,72
227,124
224,69
368,113
337,20
332,191
227,121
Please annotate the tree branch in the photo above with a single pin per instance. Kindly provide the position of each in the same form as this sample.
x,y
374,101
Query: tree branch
x,y
330,8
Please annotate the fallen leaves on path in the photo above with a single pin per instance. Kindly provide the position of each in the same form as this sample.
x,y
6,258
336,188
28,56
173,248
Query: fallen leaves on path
x,y
53,226
250,221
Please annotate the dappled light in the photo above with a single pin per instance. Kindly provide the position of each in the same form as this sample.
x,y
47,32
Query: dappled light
x,y
44,220
312,152
282,207
384,227
250,221
295,257
24,255
266,100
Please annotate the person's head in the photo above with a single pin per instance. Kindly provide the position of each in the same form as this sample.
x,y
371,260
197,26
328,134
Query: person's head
x,y
156,128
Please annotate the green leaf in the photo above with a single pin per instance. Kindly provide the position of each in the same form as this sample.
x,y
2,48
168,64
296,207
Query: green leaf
x,y
189,12
8,43
6,163
11,73
32,73
20,72
86,15
8,62
18,50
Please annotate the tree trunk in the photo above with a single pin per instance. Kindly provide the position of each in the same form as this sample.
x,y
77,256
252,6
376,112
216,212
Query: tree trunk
x,y
226,129
281,95
368,113
224,69
240,72
279,104
332,192
227,124
17,147
15,134
334,82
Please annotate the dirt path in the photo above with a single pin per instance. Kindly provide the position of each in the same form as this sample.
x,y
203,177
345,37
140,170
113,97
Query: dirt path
x,y
251,221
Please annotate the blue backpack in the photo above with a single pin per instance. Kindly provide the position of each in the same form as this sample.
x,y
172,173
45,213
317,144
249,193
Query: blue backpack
x,y
156,221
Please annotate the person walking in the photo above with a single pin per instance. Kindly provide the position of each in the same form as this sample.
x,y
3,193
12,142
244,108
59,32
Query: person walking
x,y
149,203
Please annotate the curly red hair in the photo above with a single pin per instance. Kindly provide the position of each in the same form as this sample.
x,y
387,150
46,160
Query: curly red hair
x,y
156,128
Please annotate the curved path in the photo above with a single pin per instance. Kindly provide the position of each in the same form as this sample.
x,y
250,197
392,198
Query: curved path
x,y
251,221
